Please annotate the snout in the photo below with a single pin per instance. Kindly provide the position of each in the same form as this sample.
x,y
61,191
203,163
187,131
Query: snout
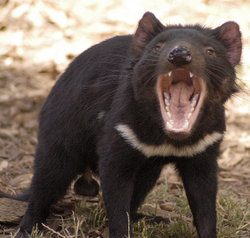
x,y
180,55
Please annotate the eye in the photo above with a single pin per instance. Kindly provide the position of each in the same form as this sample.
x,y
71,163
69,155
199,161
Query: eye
x,y
158,46
210,51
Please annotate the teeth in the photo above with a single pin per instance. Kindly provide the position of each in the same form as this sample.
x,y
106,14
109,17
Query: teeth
x,y
185,126
194,100
170,122
167,103
196,97
166,96
170,126
191,75
177,129
169,74
193,103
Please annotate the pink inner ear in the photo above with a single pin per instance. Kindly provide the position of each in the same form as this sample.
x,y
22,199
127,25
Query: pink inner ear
x,y
148,27
140,39
231,37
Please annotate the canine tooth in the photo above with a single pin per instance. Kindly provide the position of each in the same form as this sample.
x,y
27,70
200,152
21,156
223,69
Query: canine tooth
x,y
169,115
192,109
190,114
191,75
170,73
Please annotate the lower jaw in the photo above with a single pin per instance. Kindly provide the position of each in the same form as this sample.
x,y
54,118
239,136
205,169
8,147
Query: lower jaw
x,y
182,131
178,135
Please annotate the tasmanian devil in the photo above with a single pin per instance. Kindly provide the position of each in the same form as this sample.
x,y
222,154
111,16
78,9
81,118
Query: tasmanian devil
x,y
126,107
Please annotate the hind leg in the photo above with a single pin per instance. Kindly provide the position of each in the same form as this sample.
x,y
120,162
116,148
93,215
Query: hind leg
x,y
53,174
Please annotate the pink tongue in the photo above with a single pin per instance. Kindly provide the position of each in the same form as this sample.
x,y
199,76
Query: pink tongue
x,y
179,103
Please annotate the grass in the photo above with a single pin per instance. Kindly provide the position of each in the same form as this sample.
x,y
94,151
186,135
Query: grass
x,y
233,217
95,218
233,220
178,228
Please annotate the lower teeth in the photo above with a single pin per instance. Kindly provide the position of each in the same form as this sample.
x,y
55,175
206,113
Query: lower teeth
x,y
170,126
170,123
185,125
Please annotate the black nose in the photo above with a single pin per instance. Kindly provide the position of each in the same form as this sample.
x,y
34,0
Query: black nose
x,y
180,55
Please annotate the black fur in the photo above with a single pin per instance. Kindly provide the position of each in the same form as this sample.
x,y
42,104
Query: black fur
x,y
112,83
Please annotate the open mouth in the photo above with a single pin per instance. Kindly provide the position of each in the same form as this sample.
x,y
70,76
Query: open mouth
x,y
181,95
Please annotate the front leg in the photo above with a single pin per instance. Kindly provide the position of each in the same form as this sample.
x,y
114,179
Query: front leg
x,y
117,169
200,182
145,180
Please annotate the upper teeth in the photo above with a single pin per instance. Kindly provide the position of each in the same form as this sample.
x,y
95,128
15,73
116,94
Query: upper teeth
x,y
166,96
166,100
196,96
168,74
167,104
193,102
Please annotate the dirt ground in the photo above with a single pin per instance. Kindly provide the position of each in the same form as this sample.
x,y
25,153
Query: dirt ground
x,y
38,39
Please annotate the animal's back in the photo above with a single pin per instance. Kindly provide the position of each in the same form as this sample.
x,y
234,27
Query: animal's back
x,y
71,114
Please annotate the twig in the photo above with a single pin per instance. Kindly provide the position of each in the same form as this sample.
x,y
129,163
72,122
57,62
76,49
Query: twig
x,y
128,224
55,232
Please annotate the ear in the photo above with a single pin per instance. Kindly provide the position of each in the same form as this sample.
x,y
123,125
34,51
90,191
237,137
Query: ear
x,y
229,34
149,26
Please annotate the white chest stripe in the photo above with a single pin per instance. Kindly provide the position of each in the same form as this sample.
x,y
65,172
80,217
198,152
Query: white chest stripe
x,y
167,149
